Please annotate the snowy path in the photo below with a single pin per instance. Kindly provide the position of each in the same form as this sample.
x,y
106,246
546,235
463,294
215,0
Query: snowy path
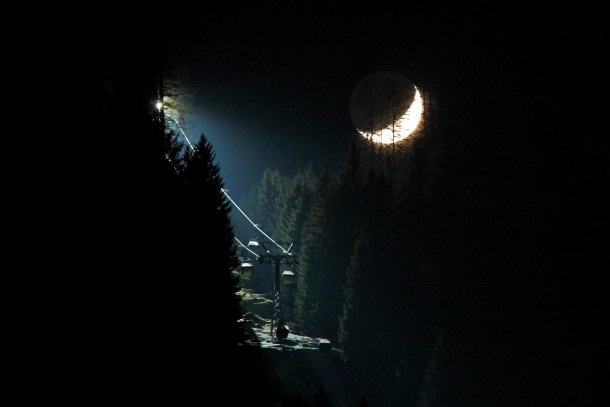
x,y
293,342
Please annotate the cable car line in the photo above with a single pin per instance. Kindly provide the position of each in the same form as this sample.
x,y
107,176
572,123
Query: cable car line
x,y
254,224
245,247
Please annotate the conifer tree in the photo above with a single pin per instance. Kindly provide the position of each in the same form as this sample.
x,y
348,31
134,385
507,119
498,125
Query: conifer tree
x,y
270,193
295,205
313,254
210,244
344,213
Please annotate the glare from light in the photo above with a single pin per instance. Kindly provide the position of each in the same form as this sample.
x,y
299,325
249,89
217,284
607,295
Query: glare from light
x,y
159,106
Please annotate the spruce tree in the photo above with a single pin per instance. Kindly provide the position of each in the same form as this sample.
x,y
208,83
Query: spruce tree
x,y
313,254
270,195
210,246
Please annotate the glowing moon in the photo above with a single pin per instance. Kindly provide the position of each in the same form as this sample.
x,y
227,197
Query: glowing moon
x,y
386,107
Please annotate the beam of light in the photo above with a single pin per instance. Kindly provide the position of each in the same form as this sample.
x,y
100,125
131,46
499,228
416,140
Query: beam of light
x,y
253,224
403,127
184,134
159,106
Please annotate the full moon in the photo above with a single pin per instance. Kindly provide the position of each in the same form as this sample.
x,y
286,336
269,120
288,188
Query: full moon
x,y
386,107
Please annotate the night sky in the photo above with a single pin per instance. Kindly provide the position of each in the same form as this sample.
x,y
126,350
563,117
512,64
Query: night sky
x,y
270,84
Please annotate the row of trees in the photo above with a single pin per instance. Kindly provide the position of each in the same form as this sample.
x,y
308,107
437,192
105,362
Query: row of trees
x,y
130,295
493,273
365,279
464,269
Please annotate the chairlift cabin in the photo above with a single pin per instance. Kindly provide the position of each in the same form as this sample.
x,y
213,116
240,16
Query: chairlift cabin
x,y
246,268
287,276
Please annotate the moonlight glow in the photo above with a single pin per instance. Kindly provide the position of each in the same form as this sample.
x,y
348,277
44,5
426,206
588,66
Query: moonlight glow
x,y
386,107
402,128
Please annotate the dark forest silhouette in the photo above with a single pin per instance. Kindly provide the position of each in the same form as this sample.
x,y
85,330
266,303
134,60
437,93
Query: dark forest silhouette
x,y
470,274
130,296
458,269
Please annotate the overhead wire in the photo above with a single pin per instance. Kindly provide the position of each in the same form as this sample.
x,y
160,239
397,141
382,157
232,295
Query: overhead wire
x,y
254,224
245,247
233,202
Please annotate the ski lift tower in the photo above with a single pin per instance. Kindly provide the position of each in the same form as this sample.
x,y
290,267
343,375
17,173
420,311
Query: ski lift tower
x,y
281,274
